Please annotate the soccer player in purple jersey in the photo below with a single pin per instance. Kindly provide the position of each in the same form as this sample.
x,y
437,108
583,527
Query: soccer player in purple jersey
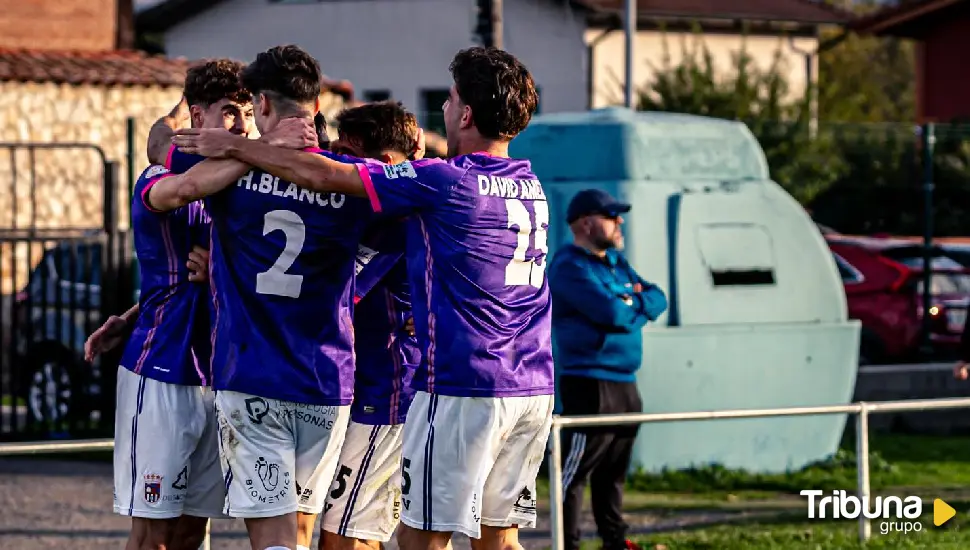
x,y
282,265
166,463
364,504
476,431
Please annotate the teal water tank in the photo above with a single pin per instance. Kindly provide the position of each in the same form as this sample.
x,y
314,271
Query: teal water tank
x,y
757,315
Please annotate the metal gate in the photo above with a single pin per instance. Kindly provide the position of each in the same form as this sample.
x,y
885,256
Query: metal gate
x,y
65,266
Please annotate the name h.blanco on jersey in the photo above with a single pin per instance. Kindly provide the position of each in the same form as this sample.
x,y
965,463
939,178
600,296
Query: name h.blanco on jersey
x,y
508,188
270,185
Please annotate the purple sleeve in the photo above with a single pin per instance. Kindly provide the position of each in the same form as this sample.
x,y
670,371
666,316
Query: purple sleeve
x,y
149,183
179,163
372,266
401,189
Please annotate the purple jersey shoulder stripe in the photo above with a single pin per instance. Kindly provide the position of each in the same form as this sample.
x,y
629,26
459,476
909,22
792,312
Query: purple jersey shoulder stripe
x,y
428,280
172,281
396,357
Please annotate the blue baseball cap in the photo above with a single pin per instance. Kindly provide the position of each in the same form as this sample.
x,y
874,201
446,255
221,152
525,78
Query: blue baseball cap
x,y
594,201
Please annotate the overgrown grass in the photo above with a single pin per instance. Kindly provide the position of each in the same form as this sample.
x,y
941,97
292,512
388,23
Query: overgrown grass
x,y
932,462
799,534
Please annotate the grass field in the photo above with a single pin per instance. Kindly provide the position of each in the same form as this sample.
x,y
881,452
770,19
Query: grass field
x,y
801,535
934,465
901,465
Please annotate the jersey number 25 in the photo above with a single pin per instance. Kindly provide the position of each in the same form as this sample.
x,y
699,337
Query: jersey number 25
x,y
520,271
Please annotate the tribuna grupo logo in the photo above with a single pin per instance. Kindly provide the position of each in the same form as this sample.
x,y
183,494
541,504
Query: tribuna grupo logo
x,y
840,505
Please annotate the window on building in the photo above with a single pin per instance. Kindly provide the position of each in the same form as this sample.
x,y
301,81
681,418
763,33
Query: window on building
x,y
433,118
377,95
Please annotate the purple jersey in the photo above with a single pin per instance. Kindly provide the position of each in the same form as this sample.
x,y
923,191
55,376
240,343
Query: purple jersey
x,y
476,258
386,354
170,340
282,262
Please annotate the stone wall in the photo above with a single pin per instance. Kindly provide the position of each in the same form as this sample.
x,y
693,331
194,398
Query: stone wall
x,y
63,187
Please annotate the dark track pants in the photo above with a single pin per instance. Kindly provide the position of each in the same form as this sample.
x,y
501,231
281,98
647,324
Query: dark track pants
x,y
600,454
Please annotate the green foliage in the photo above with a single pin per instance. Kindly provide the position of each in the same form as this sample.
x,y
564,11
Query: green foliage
x,y
859,170
795,533
866,79
804,165
928,462
836,472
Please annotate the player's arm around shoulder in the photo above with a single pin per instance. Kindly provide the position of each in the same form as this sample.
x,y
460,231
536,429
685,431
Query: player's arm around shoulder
x,y
308,169
207,178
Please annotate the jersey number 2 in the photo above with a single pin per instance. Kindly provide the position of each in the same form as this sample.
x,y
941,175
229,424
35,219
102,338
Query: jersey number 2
x,y
520,271
276,281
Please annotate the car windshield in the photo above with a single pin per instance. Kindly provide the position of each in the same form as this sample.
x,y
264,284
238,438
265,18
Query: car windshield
x,y
948,283
938,262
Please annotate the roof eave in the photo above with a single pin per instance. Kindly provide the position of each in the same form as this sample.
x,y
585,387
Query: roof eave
x,y
891,21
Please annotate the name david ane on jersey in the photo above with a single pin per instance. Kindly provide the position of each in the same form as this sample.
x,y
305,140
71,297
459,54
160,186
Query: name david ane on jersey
x,y
270,185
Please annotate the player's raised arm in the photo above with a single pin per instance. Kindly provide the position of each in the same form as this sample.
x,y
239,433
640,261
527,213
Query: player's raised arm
x,y
309,170
160,135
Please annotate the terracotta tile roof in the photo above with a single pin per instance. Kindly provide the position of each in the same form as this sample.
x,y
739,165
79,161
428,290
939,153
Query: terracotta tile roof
x,y
130,68
124,68
794,11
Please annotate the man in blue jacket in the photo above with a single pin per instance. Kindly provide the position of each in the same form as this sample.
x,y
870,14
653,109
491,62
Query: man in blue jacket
x,y
599,306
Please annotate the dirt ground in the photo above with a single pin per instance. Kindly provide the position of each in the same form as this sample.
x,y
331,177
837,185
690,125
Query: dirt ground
x,y
57,504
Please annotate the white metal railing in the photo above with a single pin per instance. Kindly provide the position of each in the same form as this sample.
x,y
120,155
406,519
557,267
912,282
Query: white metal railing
x,y
862,409
79,446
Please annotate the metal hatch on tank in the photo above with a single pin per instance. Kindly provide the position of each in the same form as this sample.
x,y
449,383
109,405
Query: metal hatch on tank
x,y
757,315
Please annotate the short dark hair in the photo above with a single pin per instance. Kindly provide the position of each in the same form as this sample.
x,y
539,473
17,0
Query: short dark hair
x,y
323,138
498,88
380,126
213,80
288,72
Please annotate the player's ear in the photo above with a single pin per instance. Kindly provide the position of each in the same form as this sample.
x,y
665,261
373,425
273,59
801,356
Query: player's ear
x,y
385,158
264,106
466,117
196,116
316,106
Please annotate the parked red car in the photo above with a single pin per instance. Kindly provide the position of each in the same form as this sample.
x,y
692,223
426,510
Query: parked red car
x,y
884,285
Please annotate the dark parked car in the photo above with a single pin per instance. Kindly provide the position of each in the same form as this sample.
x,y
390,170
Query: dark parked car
x,y
51,318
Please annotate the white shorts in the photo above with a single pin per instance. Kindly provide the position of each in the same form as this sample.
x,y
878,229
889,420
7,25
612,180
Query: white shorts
x,y
472,461
278,457
166,455
365,498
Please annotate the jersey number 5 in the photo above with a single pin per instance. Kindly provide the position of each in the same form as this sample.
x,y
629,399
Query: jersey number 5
x,y
520,271
276,281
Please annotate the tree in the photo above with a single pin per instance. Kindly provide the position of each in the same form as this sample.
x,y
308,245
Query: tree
x,y
804,165
850,90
